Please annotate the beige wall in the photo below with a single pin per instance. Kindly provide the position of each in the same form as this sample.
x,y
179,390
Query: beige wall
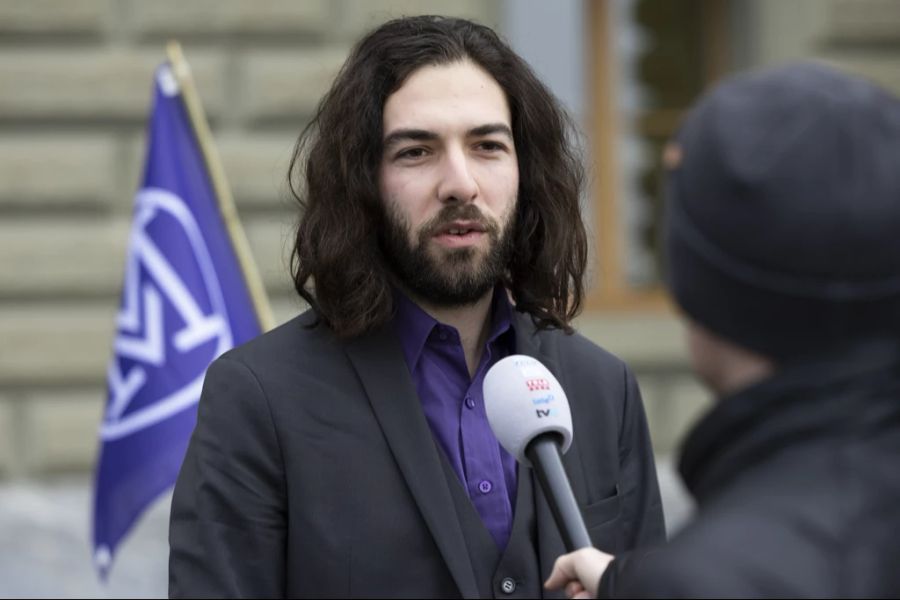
x,y
75,87
861,35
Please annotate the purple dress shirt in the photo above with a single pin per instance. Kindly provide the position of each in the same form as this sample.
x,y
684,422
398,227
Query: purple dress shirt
x,y
454,405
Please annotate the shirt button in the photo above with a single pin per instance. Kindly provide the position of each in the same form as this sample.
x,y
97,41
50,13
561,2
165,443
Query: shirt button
x,y
508,585
469,402
485,487
442,335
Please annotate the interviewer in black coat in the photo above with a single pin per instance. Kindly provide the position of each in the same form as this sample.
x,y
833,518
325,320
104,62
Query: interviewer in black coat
x,y
783,242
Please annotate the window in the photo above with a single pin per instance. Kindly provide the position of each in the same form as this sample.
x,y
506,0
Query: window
x,y
649,60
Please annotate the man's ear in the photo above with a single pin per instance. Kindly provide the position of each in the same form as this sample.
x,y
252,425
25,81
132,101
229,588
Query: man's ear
x,y
721,364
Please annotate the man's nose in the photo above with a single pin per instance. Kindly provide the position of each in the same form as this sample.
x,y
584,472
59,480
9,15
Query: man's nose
x,y
457,182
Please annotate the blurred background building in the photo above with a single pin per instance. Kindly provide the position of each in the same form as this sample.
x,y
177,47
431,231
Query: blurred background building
x,y
75,87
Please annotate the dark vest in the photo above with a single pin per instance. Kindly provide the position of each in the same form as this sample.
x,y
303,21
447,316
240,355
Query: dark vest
x,y
515,573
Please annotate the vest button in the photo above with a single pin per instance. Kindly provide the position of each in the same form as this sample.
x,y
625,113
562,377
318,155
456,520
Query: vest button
x,y
508,585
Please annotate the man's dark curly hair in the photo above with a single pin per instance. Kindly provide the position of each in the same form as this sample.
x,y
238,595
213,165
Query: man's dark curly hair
x,y
338,265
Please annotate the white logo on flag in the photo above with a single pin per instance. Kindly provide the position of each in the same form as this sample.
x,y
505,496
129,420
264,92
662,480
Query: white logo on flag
x,y
141,326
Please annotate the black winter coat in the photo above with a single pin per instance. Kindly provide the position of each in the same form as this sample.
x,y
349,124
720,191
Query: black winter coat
x,y
797,481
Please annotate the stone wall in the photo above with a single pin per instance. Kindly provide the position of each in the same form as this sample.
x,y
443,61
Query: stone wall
x,y
75,88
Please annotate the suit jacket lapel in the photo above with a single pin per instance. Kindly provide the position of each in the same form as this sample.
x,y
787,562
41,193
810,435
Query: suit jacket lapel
x,y
529,343
378,359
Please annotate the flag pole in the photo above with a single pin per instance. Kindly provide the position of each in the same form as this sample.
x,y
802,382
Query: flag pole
x,y
216,172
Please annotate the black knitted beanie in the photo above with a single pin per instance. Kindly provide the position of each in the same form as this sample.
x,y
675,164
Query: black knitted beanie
x,y
783,214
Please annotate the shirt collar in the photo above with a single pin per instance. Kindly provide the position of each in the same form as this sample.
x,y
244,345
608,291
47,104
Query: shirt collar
x,y
413,325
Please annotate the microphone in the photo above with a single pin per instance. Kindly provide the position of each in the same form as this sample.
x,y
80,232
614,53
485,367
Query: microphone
x,y
529,413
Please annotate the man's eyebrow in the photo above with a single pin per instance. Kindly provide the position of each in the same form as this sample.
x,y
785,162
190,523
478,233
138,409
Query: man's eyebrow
x,y
415,135
423,135
490,129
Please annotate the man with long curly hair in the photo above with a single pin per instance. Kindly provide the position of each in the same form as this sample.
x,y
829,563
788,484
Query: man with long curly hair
x,y
347,453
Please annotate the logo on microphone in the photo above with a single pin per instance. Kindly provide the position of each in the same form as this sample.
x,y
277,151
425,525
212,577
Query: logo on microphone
x,y
542,399
545,412
537,384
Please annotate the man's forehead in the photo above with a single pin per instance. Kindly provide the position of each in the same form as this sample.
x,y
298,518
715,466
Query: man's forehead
x,y
456,97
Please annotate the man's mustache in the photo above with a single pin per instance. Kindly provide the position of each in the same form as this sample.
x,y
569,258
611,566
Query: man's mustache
x,y
449,214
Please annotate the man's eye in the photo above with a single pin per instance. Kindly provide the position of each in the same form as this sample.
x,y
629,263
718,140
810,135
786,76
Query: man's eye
x,y
412,153
490,146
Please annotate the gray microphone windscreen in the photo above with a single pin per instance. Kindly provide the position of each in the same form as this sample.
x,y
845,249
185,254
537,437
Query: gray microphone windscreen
x,y
523,399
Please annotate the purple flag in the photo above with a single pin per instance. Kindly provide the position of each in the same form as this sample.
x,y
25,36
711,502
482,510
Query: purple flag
x,y
184,302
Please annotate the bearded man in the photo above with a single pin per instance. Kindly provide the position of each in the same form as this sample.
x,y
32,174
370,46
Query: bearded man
x,y
347,453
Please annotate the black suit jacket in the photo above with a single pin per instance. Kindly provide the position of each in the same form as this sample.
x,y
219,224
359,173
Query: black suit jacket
x,y
313,472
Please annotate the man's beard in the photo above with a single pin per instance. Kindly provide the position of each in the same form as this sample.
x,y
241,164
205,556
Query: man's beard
x,y
447,277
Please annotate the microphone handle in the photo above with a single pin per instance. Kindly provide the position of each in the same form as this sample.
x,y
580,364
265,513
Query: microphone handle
x,y
543,452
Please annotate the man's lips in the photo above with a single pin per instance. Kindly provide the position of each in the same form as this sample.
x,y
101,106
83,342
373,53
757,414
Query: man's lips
x,y
460,228
459,233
